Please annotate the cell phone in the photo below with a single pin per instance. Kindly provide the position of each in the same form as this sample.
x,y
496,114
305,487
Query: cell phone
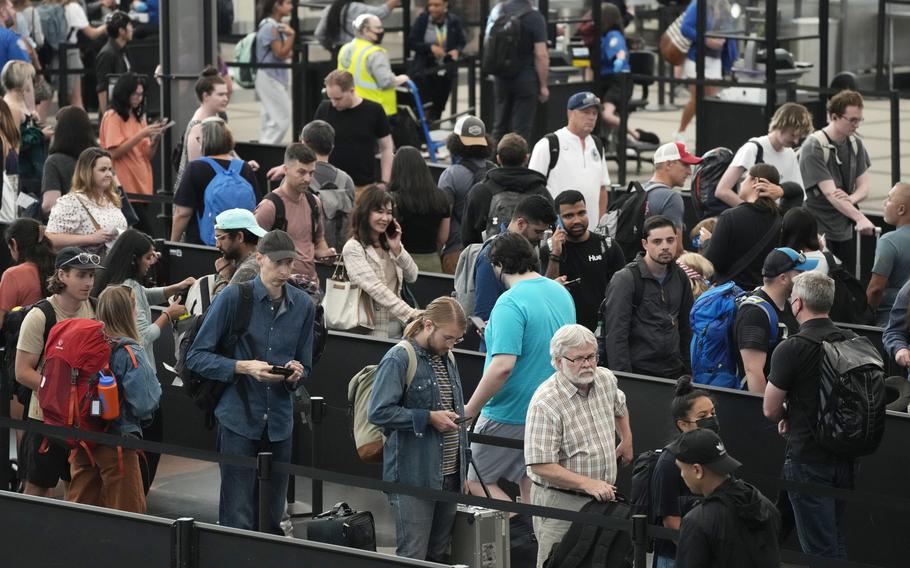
x,y
462,420
280,370
392,229
166,125
559,223
478,323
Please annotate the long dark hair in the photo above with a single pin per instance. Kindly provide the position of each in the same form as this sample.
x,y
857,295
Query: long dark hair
x,y
684,397
122,262
372,199
73,133
333,23
123,90
799,230
413,185
33,246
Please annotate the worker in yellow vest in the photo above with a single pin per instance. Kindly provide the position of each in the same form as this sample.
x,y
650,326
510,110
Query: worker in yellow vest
x,y
369,63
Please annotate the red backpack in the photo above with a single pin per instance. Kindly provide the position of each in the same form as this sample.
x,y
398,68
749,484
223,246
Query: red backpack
x,y
75,352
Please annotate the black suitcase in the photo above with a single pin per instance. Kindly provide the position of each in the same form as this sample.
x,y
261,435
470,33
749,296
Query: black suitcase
x,y
343,526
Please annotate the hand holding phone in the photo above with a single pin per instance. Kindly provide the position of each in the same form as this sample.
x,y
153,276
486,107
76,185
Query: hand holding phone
x,y
281,370
391,230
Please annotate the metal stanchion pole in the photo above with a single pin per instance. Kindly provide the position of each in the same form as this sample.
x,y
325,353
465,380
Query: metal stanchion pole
x,y
318,408
895,137
621,137
640,540
183,546
5,469
264,475
701,27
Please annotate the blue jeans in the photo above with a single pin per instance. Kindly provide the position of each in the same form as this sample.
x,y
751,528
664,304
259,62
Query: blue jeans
x,y
819,519
239,504
664,561
423,529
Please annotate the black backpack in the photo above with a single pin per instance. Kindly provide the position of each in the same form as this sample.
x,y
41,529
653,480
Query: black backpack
x,y
625,218
501,46
707,175
850,302
851,395
281,219
479,173
589,546
12,325
642,472
206,392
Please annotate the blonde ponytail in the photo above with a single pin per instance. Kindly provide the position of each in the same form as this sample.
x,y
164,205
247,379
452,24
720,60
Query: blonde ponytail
x,y
441,311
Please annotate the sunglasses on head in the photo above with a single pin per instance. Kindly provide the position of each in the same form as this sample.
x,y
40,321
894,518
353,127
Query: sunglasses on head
x,y
84,258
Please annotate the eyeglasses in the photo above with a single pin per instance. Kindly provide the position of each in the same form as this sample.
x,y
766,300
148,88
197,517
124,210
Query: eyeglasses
x,y
450,339
582,359
84,258
854,121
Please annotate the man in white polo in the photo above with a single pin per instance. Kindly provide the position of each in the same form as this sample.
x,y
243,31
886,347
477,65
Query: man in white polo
x,y
571,158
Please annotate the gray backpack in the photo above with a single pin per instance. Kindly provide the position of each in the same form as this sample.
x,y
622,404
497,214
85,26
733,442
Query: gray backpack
x,y
464,275
501,207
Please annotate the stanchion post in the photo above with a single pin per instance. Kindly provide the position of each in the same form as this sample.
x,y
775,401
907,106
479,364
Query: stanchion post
x,y
701,25
823,45
5,394
264,474
880,46
895,137
318,408
640,540
621,136
183,545
770,58
63,95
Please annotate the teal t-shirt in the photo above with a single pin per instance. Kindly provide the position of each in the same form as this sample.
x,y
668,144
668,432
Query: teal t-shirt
x,y
522,323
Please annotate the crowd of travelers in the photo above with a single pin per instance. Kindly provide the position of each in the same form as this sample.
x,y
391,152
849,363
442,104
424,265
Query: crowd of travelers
x,y
567,284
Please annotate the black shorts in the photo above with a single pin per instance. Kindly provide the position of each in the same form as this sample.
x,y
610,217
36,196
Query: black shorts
x,y
612,90
43,469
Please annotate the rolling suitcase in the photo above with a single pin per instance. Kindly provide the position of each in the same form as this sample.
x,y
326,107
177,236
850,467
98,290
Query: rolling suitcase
x,y
480,538
343,526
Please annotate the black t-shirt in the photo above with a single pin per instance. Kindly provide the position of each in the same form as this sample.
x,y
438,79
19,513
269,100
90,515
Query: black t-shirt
x,y
533,30
753,329
191,192
737,231
795,369
419,232
110,61
595,266
670,497
357,132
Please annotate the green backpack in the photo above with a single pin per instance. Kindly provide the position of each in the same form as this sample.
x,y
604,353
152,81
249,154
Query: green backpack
x,y
245,52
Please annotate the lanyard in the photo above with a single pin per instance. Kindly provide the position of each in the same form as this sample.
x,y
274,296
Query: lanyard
x,y
442,32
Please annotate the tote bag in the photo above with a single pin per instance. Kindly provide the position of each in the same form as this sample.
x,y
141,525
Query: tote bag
x,y
674,46
343,304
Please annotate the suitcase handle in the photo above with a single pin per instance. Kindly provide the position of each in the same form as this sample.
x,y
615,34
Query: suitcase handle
x,y
341,509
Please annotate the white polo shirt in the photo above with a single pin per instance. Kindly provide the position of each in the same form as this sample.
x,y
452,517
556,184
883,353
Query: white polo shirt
x,y
581,170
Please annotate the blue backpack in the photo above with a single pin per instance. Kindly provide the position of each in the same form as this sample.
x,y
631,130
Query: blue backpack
x,y
227,190
713,349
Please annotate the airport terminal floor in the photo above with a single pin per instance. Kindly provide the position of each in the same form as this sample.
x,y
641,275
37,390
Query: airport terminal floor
x,y
180,527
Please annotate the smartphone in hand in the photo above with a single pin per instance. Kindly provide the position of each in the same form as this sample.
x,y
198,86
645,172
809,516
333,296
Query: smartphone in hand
x,y
392,230
281,370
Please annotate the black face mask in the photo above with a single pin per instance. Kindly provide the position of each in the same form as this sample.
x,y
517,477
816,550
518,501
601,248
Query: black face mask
x,y
708,423
379,36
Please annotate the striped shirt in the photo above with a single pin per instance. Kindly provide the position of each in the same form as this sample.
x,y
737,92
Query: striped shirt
x,y
447,400
576,431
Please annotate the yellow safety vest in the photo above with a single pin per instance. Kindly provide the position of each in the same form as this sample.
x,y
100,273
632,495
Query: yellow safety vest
x,y
364,83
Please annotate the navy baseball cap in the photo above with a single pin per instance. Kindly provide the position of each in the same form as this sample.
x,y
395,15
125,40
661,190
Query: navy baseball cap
x,y
583,100
784,259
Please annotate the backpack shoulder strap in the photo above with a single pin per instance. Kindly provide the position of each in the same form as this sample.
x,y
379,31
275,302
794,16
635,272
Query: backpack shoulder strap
x,y
599,144
759,151
314,213
639,293
412,362
129,351
281,221
553,141
244,310
235,167
755,300
50,316
215,165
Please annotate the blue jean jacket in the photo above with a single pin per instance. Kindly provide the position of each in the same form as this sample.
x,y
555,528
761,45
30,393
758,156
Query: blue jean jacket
x,y
140,390
413,449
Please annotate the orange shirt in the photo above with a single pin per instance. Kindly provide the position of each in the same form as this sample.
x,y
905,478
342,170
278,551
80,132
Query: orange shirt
x,y
133,168
20,286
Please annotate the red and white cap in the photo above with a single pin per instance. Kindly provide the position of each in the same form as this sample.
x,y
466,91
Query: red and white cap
x,y
675,151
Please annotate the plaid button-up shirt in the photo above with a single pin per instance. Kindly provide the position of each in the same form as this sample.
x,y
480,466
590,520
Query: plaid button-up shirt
x,y
576,431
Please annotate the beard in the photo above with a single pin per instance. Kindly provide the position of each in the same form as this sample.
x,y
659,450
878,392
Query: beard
x,y
583,377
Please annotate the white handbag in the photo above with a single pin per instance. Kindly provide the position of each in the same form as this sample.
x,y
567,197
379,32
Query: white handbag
x,y
343,305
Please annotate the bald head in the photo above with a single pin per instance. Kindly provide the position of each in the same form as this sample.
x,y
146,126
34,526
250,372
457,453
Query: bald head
x,y
369,27
897,205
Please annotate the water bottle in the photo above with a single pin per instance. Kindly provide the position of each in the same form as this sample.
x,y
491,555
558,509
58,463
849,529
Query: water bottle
x,y
109,397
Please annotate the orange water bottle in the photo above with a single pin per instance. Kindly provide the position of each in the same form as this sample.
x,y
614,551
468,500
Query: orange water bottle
x,y
109,397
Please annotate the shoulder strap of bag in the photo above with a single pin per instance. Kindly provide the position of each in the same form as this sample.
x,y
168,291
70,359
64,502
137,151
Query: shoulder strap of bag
x,y
281,221
412,362
215,165
553,141
753,252
50,316
314,213
759,152
87,212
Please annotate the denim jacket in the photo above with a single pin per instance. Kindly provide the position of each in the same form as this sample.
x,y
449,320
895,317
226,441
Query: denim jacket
x,y
248,407
140,391
413,449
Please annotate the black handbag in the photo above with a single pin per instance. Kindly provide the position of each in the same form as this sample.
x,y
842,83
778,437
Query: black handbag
x,y
343,526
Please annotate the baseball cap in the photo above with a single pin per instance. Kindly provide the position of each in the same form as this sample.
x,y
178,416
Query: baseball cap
x,y
233,219
277,245
675,151
704,447
75,257
471,131
782,259
582,100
